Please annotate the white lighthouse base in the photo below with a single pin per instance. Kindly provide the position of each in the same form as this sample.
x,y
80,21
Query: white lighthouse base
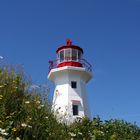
x,y
70,97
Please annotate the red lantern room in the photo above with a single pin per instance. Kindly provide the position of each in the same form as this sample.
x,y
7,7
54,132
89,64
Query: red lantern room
x,y
70,55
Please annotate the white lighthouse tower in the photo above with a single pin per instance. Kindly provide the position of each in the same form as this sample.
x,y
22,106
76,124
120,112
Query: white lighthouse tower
x,y
70,73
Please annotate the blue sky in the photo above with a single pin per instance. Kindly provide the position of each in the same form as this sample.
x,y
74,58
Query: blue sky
x,y
107,30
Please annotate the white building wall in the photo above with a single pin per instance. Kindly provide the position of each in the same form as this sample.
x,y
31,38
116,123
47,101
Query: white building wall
x,y
76,93
60,99
64,94
85,100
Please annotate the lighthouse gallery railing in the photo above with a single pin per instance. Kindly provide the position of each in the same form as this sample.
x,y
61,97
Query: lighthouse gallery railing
x,y
85,64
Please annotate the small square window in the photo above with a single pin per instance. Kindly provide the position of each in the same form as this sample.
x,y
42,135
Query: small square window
x,y
73,84
75,109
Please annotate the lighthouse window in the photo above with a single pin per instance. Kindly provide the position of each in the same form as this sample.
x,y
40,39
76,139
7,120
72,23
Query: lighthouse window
x,y
73,84
79,54
75,109
61,56
67,54
74,54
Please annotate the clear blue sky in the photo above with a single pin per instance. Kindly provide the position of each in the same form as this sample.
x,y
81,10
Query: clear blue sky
x,y
107,30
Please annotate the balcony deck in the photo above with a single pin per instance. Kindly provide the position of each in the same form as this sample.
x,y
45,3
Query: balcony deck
x,y
82,63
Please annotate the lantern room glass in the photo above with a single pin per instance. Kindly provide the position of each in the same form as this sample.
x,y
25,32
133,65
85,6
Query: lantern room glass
x,y
69,55
61,56
74,55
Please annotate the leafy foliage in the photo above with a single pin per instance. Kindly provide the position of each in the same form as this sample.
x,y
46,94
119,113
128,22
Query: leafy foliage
x,y
24,115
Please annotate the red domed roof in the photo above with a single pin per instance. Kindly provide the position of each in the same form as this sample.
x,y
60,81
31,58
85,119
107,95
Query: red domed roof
x,y
69,45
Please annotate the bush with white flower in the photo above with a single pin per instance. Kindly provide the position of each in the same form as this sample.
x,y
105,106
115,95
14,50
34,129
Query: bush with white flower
x,y
25,114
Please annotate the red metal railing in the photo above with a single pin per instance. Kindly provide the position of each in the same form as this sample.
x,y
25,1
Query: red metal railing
x,y
85,64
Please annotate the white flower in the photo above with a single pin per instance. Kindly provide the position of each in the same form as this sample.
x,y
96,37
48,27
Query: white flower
x,y
4,133
1,86
79,133
102,132
72,134
42,105
17,138
38,102
46,117
27,102
29,126
30,118
23,125
2,130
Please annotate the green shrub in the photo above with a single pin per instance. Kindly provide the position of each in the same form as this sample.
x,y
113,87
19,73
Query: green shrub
x,y
25,116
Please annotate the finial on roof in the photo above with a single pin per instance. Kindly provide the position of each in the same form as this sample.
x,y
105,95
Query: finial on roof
x,y
69,43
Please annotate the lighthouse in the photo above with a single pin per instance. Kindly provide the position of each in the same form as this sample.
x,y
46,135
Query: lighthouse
x,y
70,73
